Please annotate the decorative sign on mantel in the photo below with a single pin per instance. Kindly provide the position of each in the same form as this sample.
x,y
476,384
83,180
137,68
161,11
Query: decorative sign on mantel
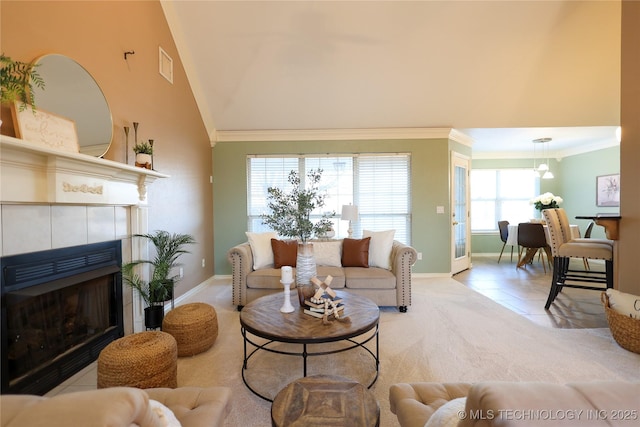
x,y
45,128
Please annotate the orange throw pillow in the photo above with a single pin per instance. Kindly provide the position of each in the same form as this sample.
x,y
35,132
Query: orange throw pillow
x,y
355,252
285,252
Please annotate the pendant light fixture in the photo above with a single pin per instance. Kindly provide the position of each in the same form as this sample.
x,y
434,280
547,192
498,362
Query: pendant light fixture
x,y
542,168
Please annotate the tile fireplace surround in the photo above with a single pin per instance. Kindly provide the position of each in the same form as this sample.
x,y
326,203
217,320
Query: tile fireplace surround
x,y
53,199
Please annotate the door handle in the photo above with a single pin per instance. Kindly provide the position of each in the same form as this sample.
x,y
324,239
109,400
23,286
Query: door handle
x,y
455,222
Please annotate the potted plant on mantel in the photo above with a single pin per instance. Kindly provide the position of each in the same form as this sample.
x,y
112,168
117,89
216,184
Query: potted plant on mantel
x,y
17,80
144,151
290,217
169,247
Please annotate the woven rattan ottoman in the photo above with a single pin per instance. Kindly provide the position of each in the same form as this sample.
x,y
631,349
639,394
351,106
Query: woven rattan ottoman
x,y
194,326
143,360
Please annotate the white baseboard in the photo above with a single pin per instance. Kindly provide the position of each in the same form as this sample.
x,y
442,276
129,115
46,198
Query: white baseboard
x,y
190,292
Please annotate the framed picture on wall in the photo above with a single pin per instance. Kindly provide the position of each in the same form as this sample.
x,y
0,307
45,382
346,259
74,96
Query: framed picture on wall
x,y
608,190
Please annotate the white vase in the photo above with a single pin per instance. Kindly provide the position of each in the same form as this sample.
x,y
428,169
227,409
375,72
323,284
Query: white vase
x,y
305,270
143,160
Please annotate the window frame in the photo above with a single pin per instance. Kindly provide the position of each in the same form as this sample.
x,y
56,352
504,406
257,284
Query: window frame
x,y
498,200
370,217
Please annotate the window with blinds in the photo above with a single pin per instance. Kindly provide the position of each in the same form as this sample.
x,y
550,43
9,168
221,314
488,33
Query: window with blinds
x,y
378,184
501,194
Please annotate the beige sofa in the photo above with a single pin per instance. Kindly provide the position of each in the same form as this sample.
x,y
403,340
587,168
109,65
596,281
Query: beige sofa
x,y
386,287
118,406
529,404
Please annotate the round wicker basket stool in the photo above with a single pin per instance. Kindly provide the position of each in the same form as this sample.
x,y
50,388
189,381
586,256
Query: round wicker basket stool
x,y
194,326
143,360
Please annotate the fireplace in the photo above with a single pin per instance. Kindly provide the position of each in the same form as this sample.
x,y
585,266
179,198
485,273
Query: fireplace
x,y
60,308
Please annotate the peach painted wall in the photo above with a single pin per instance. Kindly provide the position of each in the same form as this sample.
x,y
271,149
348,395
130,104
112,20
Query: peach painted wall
x,y
96,34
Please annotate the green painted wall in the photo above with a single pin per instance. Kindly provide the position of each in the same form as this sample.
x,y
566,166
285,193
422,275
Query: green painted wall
x,y
430,159
575,182
578,183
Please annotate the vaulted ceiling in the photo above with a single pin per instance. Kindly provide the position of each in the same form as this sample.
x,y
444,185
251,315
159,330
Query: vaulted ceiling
x,y
501,72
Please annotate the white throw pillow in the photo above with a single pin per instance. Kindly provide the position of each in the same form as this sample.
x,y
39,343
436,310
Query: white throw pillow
x,y
328,253
166,415
624,303
448,415
380,247
261,248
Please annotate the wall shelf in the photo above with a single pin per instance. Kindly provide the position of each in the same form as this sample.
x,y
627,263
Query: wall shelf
x,y
30,173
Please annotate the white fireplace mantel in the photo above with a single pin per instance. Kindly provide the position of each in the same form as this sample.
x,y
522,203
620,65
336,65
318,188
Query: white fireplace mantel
x,y
30,173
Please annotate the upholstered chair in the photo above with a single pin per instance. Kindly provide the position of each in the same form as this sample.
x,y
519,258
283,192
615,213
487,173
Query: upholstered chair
x,y
563,248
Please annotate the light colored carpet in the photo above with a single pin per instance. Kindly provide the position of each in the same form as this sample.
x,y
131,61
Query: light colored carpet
x,y
450,333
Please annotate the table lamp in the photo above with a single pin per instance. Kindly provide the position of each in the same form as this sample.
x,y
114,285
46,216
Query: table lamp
x,y
349,213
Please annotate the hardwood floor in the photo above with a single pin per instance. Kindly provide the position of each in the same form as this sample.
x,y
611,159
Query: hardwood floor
x,y
525,291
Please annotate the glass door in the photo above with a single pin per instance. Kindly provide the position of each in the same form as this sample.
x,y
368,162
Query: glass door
x,y
460,221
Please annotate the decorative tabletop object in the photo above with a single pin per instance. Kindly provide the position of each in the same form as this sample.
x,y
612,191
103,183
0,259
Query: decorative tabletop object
x,y
324,302
546,201
286,280
290,217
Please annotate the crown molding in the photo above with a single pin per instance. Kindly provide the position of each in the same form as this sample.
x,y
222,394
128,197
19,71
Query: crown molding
x,y
340,134
554,154
456,135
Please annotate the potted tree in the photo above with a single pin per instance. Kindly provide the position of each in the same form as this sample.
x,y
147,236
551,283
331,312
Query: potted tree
x,y
290,217
169,247
17,80
143,151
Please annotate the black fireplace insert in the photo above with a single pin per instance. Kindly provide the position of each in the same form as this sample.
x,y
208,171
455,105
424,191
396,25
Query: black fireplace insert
x,y
60,308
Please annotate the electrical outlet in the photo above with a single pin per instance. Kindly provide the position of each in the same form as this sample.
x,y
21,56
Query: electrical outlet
x,y
181,274
419,256
203,263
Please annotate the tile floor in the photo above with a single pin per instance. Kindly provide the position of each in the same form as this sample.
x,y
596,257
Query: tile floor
x,y
525,291
522,290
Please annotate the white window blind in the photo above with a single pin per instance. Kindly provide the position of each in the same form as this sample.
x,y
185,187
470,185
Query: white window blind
x,y
378,184
501,194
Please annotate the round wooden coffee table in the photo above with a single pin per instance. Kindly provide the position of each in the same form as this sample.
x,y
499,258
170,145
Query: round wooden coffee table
x,y
325,400
262,318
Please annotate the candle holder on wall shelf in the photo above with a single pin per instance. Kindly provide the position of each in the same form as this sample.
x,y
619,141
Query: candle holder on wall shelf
x,y
126,144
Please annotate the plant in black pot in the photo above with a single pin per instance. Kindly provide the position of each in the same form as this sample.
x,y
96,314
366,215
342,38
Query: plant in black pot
x,y
159,288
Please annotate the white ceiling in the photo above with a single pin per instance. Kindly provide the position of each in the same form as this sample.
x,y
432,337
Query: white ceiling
x,y
502,72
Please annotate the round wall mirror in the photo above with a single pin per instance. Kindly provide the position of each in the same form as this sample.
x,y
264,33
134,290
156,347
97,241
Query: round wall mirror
x,y
71,92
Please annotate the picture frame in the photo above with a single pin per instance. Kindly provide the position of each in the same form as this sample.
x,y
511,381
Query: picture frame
x,y
44,128
608,190
165,64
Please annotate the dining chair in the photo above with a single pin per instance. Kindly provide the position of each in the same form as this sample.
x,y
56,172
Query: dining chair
x,y
532,240
587,235
563,248
503,226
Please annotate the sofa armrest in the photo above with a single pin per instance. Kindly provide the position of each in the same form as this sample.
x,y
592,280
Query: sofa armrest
x,y
596,403
402,258
241,259
195,406
414,403
115,406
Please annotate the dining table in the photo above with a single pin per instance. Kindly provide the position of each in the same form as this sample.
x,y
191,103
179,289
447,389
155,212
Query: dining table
x,y
512,239
512,236
609,221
